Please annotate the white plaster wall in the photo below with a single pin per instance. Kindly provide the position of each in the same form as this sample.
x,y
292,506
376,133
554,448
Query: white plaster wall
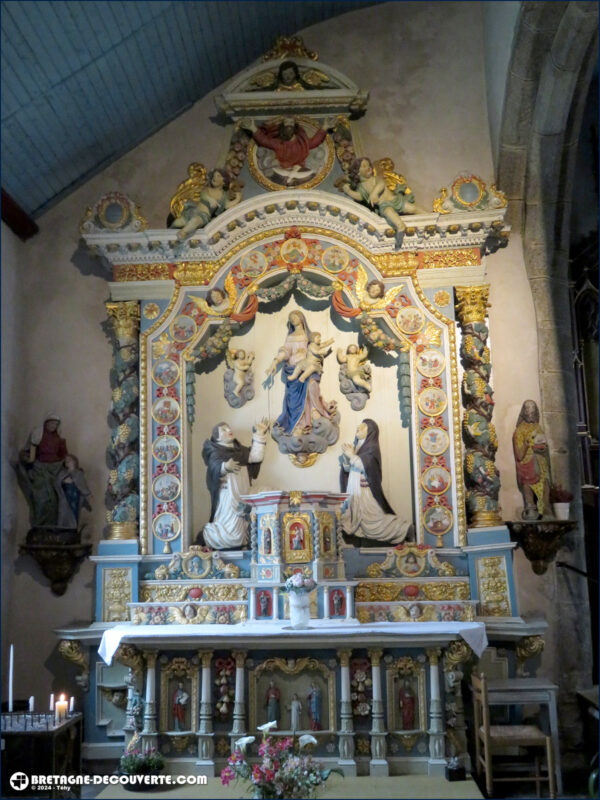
x,y
499,20
12,314
424,66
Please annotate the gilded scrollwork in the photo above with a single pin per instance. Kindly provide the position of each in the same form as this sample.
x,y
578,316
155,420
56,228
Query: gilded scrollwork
x,y
130,656
142,272
167,593
396,562
447,591
289,47
72,650
407,740
394,265
492,581
195,273
444,259
390,592
458,652
116,593
527,647
295,497
180,743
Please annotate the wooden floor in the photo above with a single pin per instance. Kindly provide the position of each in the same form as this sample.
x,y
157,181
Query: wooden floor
x,y
399,787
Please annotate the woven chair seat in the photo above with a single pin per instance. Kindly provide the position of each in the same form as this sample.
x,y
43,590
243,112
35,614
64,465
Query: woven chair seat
x,y
516,734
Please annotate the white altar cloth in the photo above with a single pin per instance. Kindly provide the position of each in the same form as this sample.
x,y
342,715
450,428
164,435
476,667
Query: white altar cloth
x,y
320,634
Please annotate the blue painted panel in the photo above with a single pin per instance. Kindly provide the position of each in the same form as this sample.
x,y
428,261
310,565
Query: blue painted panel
x,y
498,535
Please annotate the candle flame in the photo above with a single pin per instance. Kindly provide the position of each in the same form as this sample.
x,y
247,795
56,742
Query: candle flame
x,y
62,698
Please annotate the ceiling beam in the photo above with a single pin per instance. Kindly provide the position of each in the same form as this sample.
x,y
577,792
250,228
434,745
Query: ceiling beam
x,y
17,220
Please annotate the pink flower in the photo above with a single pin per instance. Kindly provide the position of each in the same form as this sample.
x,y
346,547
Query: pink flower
x,y
227,775
256,774
297,580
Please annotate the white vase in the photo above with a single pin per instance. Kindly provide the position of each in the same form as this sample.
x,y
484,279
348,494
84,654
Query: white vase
x,y
299,609
561,510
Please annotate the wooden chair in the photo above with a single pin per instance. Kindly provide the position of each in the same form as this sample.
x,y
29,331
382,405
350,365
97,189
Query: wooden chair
x,y
489,737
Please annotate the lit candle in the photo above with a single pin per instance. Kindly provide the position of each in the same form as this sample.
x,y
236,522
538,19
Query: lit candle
x,y
31,704
10,678
51,702
71,705
60,710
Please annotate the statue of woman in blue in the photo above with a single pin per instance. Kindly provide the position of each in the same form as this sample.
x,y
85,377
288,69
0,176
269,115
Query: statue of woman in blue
x,y
304,410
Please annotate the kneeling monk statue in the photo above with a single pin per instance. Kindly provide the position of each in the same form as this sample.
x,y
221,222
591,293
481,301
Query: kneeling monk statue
x,y
231,467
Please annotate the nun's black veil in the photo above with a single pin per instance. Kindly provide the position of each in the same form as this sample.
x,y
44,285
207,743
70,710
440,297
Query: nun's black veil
x,y
370,455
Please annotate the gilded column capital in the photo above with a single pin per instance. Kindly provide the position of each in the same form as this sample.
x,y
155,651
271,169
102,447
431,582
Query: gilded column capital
x,y
206,657
472,303
375,656
239,657
150,656
125,317
344,657
434,656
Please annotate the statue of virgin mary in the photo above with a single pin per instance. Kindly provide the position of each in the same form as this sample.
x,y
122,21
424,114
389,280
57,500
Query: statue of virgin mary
x,y
307,423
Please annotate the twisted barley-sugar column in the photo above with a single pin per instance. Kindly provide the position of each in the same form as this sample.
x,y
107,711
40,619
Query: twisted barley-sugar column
x,y
123,449
482,479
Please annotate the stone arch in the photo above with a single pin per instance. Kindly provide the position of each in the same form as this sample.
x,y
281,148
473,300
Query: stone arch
x,y
551,67
553,59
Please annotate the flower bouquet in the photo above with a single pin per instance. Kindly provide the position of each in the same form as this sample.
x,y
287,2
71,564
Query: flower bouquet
x,y
560,499
299,583
299,586
136,762
283,771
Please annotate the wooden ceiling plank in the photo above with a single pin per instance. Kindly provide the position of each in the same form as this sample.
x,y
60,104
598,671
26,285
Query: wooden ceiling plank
x,y
126,18
83,131
178,97
86,97
56,141
181,46
11,102
15,47
215,40
16,218
31,184
141,86
62,42
158,73
40,45
205,75
85,30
